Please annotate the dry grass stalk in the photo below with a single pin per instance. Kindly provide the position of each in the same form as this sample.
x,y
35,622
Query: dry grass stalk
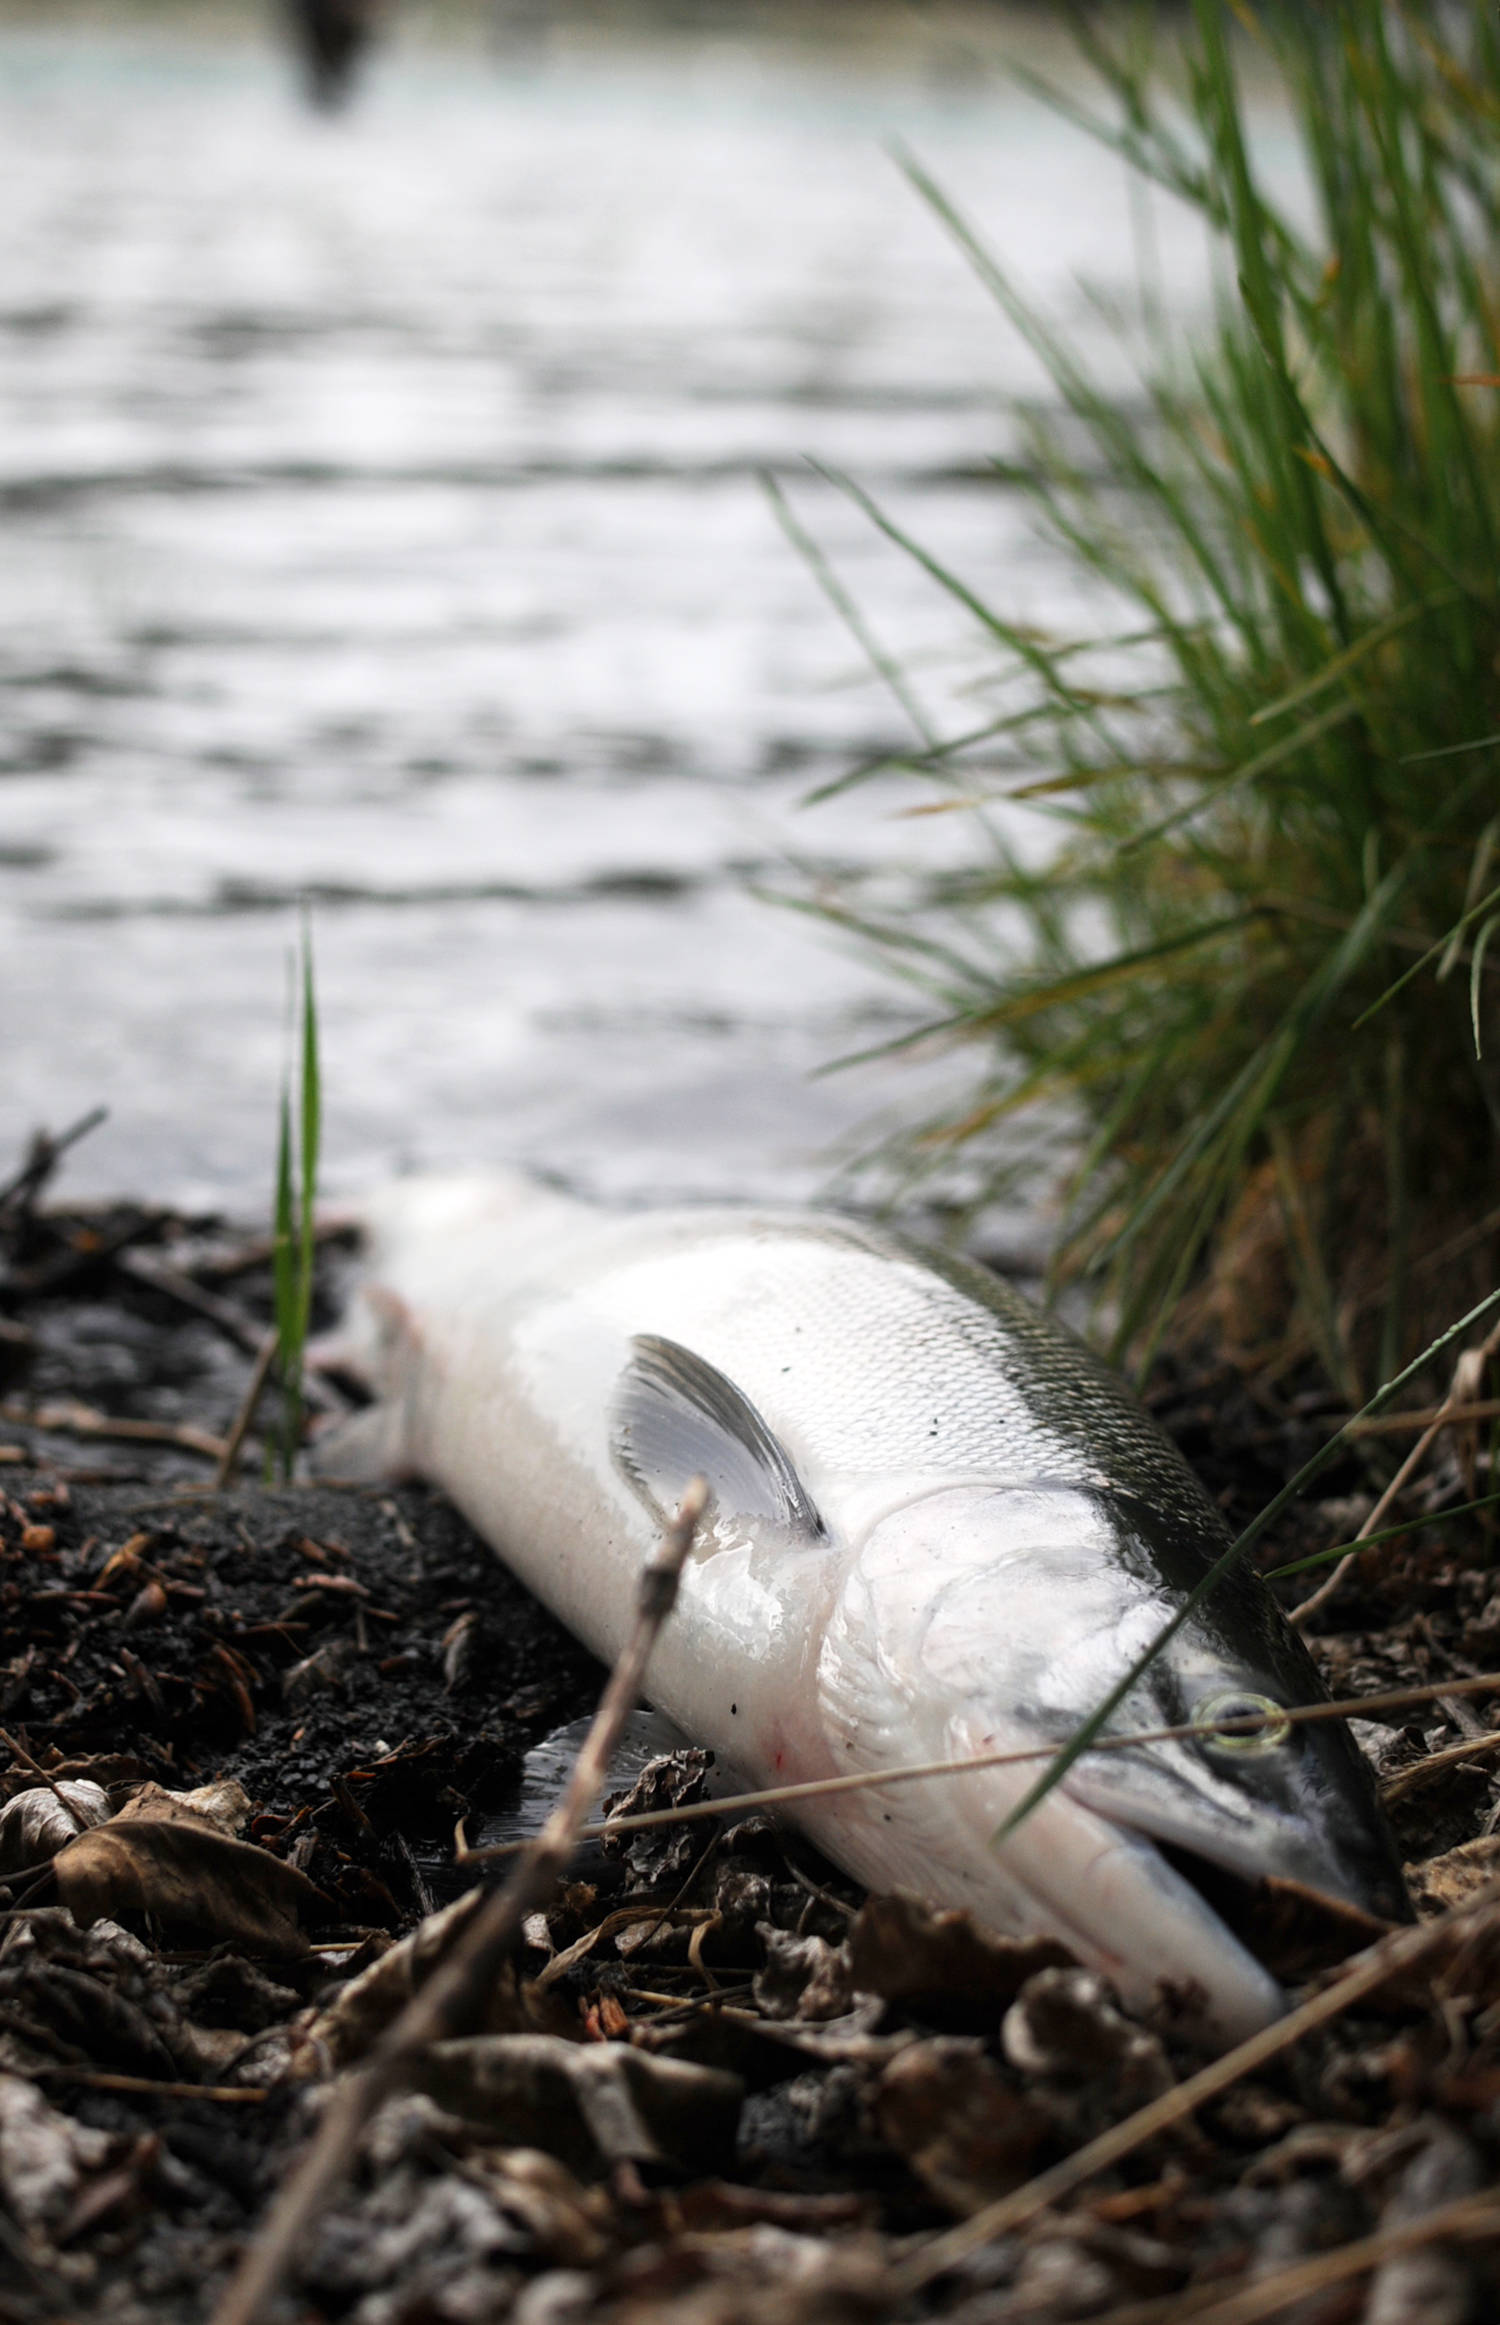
x,y
68,1419
1459,1405
451,1995
23,1759
1412,1779
254,1391
1475,2217
873,1779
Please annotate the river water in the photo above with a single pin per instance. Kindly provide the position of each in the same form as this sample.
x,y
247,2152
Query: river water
x,y
384,525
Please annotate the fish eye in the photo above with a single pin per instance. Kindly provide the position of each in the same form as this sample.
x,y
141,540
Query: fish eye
x,y
1239,1704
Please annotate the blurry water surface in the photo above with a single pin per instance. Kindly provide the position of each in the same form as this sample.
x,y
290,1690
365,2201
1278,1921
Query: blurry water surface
x,y
383,522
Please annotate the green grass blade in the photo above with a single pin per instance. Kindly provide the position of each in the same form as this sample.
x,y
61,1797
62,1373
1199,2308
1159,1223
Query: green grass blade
x,y
1464,922
294,1227
846,608
1350,658
311,1131
1386,1534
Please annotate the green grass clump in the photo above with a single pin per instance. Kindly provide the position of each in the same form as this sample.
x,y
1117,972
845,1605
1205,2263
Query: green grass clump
x,y
294,1245
1259,964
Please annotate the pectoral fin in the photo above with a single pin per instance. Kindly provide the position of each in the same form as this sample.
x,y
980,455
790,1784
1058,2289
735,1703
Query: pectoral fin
x,y
677,1417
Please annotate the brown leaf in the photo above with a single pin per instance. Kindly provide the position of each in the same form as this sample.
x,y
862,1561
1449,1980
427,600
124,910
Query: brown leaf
x,y
905,1951
164,1857
224,1804
1086,2062
591,2104
36,1823
662,1858
965,2132
804,1977
365,2006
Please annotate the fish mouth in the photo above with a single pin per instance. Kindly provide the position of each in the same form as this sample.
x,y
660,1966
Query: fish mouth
x,y
1204,1975
1147,1917
1330,1861
1234,1913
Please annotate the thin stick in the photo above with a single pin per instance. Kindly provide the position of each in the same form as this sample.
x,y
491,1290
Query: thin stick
x,y
1428,1417
1304,1613
871,1779
23,1759
70,1420
1468,2217
1412,1779
222,2094
158,1276
456,1987
1390,1958
1449,1410
40,1163
254,1391
149,1269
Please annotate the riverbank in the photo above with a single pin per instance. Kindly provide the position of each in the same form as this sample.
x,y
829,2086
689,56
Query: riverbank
x,y
808,2087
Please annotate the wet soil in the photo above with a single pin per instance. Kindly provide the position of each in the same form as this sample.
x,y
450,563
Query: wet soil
x,y
718,2084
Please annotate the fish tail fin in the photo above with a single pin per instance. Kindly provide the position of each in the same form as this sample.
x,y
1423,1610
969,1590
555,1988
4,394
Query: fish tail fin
x,y
365,1448
371,1346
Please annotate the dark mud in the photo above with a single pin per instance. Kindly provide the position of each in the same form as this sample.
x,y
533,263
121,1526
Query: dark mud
x,y
718,2085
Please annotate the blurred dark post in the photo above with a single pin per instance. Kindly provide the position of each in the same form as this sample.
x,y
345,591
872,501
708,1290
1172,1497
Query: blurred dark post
x,y
332,36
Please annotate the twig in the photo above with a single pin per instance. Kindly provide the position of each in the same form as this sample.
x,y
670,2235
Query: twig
x,y
23,1758
1390,1958
1407,1780
257,1250
150,1269
1467,2217
871,1779
1469,1369
43,1157
240,1430
223,2094
159,1276
456,1987
1428,1417
72,1420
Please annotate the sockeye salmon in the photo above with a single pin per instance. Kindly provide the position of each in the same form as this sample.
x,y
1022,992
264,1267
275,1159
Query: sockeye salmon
x,y
938,1527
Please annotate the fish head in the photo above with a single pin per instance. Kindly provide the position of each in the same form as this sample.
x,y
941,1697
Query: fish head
x,y
1003,1618
1253,1792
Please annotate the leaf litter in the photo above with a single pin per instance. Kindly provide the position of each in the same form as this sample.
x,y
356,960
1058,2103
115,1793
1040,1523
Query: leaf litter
x,y
249,1735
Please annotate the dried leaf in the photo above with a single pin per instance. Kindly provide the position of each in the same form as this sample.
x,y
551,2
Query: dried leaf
x,y
93,1997
563,2220
1434,2284
591,2104
663,1857
225,1803
35,1824
906,1951
804,1977
967,2134
323,1671
163,1856
365,2007
1091,2065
